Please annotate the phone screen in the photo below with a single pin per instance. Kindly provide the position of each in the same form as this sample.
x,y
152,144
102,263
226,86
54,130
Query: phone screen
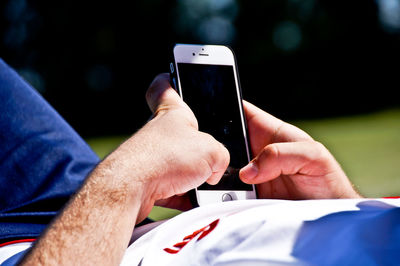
x,y
210,91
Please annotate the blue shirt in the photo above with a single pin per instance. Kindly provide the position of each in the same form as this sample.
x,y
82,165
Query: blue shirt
x,y
43,161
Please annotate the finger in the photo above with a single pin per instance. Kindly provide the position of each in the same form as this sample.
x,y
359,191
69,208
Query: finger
x,y
161,96
258,116
265,129
306,158
218,163
215,177
176,202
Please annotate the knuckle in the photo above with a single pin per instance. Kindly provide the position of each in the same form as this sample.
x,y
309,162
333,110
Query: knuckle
x,y
162,108
270,150
190,118
319,146
218,153
321,151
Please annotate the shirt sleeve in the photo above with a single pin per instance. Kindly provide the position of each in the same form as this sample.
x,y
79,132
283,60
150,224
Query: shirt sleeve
x,y
43,161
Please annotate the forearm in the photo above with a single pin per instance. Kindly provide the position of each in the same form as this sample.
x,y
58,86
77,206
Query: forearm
x,y
167,157
95,227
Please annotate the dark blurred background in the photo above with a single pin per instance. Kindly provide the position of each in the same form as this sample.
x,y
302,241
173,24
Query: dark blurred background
x,y
298,59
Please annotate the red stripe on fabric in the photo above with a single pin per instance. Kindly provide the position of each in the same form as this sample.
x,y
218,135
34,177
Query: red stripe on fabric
x,y
171,251
17,241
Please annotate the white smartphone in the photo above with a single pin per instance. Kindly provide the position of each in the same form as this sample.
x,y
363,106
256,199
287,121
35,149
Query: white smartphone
x,y
206,78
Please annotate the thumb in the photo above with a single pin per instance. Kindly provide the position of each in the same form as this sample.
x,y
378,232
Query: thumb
x,y
161,96
289,158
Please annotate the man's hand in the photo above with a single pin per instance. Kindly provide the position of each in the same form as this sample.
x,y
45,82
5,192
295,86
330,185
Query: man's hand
x,y
167,157
174,156
289,164
180,157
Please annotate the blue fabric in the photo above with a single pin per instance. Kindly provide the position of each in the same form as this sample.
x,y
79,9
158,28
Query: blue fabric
x,y
15,259
369,236
42,159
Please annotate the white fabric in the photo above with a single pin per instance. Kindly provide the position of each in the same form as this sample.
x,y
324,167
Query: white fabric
x,y
277,232
272,232
12,249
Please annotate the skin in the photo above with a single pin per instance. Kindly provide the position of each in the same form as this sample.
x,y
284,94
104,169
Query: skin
x,y
167,158
96,225
289,164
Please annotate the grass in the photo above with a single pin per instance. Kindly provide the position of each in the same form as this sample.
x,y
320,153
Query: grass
x,y
367,146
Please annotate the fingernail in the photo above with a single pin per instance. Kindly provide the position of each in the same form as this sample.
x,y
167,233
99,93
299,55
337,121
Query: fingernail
x,y
250,171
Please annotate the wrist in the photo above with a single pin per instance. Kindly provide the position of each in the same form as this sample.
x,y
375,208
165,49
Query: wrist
x,y
128,172
116,182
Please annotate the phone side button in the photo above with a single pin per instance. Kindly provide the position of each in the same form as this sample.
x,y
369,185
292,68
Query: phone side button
x,y
226,197
174,84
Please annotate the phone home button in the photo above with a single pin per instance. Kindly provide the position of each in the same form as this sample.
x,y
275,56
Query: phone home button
x,y
227,197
